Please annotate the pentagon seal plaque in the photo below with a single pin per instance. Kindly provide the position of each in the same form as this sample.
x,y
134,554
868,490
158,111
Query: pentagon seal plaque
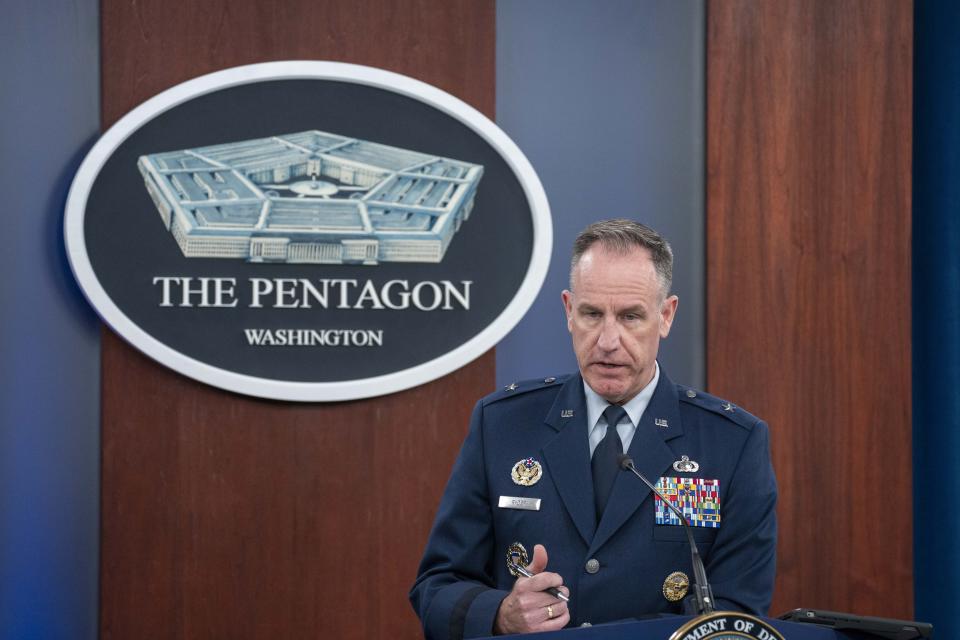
x,y
726,625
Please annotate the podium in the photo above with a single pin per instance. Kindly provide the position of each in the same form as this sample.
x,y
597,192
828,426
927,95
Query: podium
x,y
662,628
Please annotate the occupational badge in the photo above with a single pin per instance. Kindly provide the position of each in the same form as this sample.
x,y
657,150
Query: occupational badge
x,y
516,554
526,472
686,465
675,586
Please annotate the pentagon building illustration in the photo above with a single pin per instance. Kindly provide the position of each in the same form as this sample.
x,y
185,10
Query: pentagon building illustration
x,y
311,197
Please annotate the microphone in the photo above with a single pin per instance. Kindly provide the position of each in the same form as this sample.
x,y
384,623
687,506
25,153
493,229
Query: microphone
x,y
701,587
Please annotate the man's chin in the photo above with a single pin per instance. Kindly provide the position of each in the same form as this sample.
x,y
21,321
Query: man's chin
x,y
610,390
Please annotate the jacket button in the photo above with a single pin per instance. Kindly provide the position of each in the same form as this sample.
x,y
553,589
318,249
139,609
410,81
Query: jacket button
x,y
593,565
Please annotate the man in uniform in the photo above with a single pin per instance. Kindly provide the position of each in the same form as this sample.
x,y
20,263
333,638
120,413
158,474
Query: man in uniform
x,y
539,472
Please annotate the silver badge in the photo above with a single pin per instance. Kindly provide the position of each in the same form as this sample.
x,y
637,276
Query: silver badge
x,y
686,465
566,413
514,502
661,422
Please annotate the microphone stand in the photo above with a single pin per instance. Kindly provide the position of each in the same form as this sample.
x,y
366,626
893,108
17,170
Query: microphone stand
x,y
701,588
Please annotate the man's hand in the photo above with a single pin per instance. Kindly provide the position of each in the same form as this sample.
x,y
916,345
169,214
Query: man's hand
x,y
528,608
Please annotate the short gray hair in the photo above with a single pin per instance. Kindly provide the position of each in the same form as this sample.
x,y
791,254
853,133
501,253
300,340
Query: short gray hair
x,y
622,235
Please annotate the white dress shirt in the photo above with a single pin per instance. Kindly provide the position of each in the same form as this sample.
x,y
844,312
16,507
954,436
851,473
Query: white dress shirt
x,y
597,424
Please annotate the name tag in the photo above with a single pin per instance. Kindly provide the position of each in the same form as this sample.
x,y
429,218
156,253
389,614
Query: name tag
x,y
511,502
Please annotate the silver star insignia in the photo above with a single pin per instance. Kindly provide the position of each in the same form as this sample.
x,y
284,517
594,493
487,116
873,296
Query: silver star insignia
x,y
511,387
727,406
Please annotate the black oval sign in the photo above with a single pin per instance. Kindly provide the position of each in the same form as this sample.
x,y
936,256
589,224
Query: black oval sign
x,y
308,231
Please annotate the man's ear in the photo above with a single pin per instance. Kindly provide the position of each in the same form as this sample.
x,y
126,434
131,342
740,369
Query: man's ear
x,y
668,311
567,298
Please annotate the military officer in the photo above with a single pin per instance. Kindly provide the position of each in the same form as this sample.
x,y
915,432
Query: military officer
x,y
538,474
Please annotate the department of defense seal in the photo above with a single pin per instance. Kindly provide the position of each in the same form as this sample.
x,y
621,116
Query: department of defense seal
x,y
675,586
726,625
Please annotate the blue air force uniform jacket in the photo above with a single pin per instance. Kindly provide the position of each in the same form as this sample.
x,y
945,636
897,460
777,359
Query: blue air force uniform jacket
x,y
615,569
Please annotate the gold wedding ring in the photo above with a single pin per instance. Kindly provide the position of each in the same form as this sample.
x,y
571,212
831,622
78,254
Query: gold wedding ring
x,y
549,612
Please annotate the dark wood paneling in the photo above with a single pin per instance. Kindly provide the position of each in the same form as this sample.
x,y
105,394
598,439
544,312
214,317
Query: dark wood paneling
x,y
151,45
231,517
808,228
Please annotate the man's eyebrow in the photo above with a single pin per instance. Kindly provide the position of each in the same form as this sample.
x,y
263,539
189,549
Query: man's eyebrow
x,y
636,308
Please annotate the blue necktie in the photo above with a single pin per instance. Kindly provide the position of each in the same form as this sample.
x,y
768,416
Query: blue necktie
x,y
605,465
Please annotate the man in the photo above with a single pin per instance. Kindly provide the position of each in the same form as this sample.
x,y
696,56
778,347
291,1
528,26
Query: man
x,y
539,472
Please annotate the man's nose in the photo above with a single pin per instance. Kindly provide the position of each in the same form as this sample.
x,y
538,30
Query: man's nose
x,y
609,338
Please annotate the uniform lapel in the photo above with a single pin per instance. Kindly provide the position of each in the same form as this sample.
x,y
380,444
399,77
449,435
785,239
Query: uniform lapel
x,y
651,456
567,456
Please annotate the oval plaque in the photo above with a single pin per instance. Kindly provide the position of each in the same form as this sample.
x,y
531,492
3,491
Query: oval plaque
x,y
726,625
308,231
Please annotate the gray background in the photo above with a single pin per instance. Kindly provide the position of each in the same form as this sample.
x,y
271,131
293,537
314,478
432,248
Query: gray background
x,y
606,99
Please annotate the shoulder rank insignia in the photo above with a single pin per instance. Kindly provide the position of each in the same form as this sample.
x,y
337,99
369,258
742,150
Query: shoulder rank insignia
x,y
526,472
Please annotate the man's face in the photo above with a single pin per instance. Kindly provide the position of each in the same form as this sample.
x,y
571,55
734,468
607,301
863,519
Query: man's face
x,y
617,317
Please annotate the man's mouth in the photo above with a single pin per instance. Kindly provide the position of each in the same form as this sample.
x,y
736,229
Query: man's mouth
x,y
608,366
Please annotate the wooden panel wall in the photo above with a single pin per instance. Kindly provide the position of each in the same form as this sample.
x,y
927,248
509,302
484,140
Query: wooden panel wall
x,y
230,517
808,279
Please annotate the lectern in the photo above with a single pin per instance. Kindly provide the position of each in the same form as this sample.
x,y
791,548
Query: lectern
x,y
663,628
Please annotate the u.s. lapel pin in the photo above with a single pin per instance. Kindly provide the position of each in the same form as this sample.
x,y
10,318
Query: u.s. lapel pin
x,y
566,413
661,422
686,465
